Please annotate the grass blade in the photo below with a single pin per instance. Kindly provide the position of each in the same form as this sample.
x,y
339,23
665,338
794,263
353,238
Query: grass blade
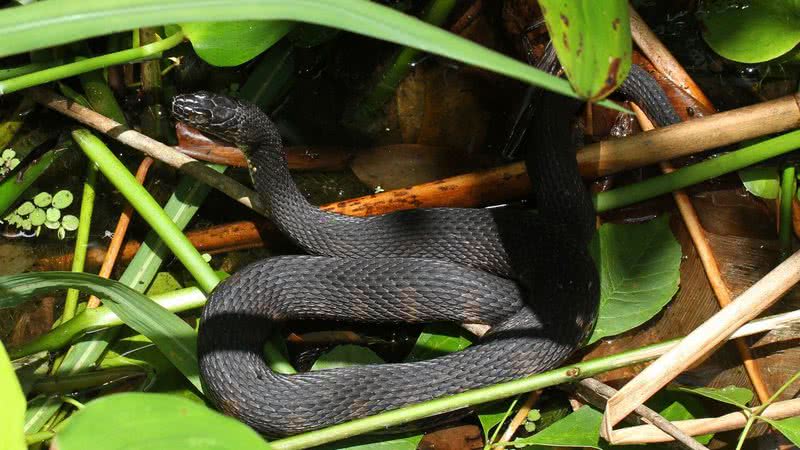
x,y
174,337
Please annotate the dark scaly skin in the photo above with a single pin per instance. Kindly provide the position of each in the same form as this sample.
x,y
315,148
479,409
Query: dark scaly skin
x,y
526,273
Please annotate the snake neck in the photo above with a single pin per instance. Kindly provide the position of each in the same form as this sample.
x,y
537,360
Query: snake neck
x,y
306,224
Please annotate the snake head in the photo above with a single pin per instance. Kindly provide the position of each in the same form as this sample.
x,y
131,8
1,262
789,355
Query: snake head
x,y
233,120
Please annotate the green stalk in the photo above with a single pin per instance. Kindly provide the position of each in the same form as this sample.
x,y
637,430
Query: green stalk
x,y
788,189
100,318
147,207
100,96
384,88
12,188
81,240
687,176
27,68
407,414
89,64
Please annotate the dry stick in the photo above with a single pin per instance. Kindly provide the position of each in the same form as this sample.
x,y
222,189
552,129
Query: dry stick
x,y
594,160
519,419
648,434
665,369
151,147
662,58
699,343
119,232
596,392
706,254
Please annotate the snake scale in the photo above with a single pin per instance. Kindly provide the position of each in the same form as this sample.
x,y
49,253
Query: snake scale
x,y
527,273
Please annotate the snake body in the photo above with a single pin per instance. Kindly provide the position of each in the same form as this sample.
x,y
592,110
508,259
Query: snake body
x,y
527,273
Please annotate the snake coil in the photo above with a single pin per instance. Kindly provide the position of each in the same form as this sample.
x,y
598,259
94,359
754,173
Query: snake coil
x,y
526,273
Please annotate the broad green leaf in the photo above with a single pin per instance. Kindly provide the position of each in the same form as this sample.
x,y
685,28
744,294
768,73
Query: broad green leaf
x,y
346,356
154,422
593,43
437,340
732,395
579,429
234,43
174,337
751,31
762,182
47,24
12,414
788,427
639,268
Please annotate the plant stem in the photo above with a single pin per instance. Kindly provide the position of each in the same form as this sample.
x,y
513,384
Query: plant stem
x,y
147,207
74,382
385,86
89,64
687,176
27,68
82,239
788,188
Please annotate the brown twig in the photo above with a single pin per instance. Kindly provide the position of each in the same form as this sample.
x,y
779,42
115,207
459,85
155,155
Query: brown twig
x,y
594,160
662,58
700,342
596,393
709,261
519,418
119,232
648,434
151,147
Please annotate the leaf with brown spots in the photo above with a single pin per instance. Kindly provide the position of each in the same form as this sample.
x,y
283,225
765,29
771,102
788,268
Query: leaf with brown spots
x,y
593,42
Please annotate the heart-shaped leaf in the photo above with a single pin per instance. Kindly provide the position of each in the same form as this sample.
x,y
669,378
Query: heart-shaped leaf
x,y
233,43
639,268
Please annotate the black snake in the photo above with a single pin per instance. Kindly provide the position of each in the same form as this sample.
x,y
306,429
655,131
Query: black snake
x,y
527,273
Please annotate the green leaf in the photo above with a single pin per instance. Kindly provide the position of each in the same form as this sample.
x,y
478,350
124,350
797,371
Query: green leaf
x,y
732,395
174,337
154,422
62,199
47,24
675,405
42,199
788,427
579,429
493,414
163,283
437,340
593,43
234,43
762,182
12,414
70,222
751,31
639,268
25,209
345,356
38,217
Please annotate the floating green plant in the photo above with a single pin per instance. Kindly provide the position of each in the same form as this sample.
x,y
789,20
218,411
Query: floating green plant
x,y
8,161
45,210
